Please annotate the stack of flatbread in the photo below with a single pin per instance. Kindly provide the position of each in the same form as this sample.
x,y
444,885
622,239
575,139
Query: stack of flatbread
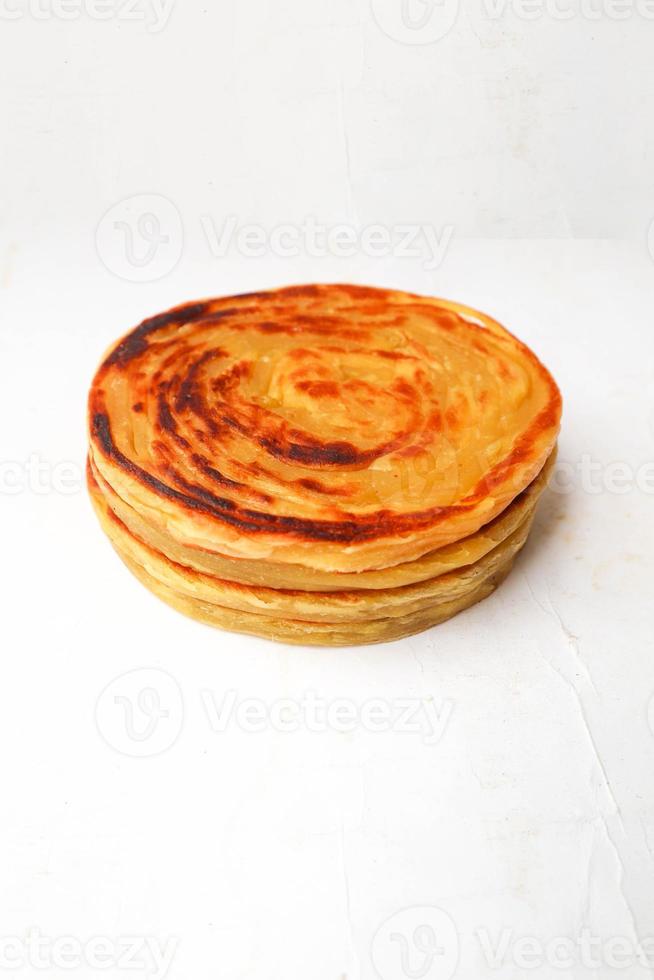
x,y
322,464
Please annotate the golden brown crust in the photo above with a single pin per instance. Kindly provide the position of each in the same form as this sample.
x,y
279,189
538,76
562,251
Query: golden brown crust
x,y
299,632
342,428
345,607
286,576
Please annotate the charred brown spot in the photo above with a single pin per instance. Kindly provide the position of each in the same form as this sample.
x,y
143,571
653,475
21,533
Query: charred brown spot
x,y
315,454
315,486
319,389
101,431
136,343
137,407
219,478
189,395
231,378
167,423
225,314
391,355
165,418
404,389
226,482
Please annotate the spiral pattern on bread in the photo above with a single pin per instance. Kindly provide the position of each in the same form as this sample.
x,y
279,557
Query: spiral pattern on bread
x,y
342,428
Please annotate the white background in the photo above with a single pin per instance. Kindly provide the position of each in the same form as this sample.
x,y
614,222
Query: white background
x,y
525,145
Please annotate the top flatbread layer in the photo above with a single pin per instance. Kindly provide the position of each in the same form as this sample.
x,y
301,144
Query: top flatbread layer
x,y
338,427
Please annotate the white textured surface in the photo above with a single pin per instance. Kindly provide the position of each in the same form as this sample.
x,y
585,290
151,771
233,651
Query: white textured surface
x,y
275,109
278,855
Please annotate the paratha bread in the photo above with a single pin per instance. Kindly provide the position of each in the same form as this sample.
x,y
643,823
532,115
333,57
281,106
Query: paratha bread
x,y
304,633
339,428
345,607
286,576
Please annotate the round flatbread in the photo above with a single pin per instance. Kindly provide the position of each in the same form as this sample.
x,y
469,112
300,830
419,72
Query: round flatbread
x,y
339,428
